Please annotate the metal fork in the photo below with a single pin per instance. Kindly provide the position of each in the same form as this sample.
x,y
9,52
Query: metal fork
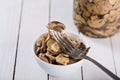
x,y
77,53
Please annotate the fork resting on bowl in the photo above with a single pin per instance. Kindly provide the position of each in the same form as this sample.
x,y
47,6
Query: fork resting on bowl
x,y
77,53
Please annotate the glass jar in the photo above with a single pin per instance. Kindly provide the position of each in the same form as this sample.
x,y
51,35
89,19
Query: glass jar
x,y
97,18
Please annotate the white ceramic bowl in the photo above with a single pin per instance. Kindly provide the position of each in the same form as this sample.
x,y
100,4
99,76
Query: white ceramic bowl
x,y
60,70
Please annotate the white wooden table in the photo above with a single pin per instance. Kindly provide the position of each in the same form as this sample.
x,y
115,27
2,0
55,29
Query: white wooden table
x,y
22,21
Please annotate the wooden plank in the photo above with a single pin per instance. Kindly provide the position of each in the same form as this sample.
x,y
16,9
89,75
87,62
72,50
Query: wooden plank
x,y
34,18
101,51
9,24
116,52
61,10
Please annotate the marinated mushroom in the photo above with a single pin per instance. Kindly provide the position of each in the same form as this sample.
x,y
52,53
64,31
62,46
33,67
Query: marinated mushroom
x,y
55,25
95,22
97,18
43,57
48,50
112,1
62,59
50,57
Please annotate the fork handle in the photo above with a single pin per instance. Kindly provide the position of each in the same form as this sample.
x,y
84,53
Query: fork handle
x,y
102,67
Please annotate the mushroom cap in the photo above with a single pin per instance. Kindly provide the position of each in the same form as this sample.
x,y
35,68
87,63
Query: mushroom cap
x,y
55,25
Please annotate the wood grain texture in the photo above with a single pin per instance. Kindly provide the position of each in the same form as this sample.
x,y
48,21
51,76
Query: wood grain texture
x,y
9,25
22,23
116,52
34,19
62,10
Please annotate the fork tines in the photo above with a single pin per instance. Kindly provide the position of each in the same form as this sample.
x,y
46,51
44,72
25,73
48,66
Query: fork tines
x,y
62,40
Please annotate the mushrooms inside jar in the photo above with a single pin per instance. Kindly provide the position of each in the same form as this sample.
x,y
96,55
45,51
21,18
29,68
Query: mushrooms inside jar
x,y
97,18
48,50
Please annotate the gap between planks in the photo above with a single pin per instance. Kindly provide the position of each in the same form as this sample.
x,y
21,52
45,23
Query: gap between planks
x,y
113,55
17,44
49,19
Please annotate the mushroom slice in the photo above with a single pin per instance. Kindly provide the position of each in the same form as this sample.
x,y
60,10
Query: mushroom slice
x,y
55,25
40,44
55,47
50,42
43,57
62,59
95,22
112,1
51,57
